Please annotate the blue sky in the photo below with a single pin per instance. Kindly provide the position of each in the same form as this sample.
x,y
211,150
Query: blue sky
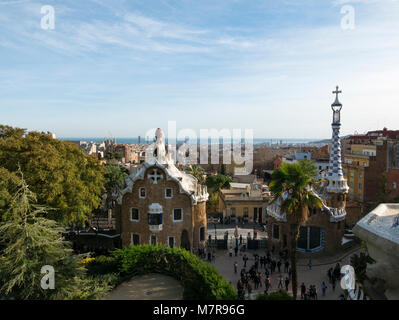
x,y
119,68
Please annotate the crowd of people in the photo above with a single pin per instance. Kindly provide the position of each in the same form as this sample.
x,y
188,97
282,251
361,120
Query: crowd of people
x,y
333,274
259,274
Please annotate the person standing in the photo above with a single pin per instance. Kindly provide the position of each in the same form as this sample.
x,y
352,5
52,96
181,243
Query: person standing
x,y
245,259
267,284
323,288
333,283
310,264
240,289
303,291
230,252
279,266
236,250
235,267
280,282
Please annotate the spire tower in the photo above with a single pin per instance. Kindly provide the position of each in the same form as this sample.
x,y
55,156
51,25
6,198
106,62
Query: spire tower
x,y
336,181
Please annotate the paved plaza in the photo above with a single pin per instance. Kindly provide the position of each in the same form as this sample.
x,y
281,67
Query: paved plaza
x,y
225,264
148,287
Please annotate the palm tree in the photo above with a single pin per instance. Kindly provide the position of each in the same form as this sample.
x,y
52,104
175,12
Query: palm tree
x,y
292,185
197,172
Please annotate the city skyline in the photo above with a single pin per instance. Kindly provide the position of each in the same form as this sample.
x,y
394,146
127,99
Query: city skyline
x,y
123,68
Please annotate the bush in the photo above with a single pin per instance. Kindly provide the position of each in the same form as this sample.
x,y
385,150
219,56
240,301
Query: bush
x,y
102,265
200,280
281,295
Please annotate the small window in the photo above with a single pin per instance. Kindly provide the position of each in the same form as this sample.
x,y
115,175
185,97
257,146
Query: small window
x,y
276,232
233,212
135,239
394,185
168,193
360,186
177,215
246,212
134,214
171,242
352,174
153,240
142,193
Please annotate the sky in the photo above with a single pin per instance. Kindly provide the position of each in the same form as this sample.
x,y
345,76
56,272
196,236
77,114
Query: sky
x,y
119,68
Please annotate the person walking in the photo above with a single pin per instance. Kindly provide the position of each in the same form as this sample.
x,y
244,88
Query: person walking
x,y
286,266
236,250
323,288
235,267
287,282
310,264
230,252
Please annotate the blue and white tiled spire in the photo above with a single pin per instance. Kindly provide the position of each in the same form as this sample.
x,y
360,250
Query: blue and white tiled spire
x,y
336,181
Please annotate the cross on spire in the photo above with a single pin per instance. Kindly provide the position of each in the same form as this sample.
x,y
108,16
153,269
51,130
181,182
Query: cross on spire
x,y
337,91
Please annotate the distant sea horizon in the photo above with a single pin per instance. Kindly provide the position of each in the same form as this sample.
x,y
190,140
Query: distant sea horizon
x,y
143,141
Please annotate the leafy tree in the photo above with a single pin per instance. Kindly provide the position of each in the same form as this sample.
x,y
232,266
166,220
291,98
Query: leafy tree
x,y
113,155
197,172
359,263
28,241
223,169
114,178
213,202
8,183
217,182
292,185
58,172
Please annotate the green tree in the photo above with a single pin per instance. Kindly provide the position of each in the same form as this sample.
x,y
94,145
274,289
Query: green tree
x,y
28,241
58,172
114,178
223,169
217,182
197,172
8,183
292,185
